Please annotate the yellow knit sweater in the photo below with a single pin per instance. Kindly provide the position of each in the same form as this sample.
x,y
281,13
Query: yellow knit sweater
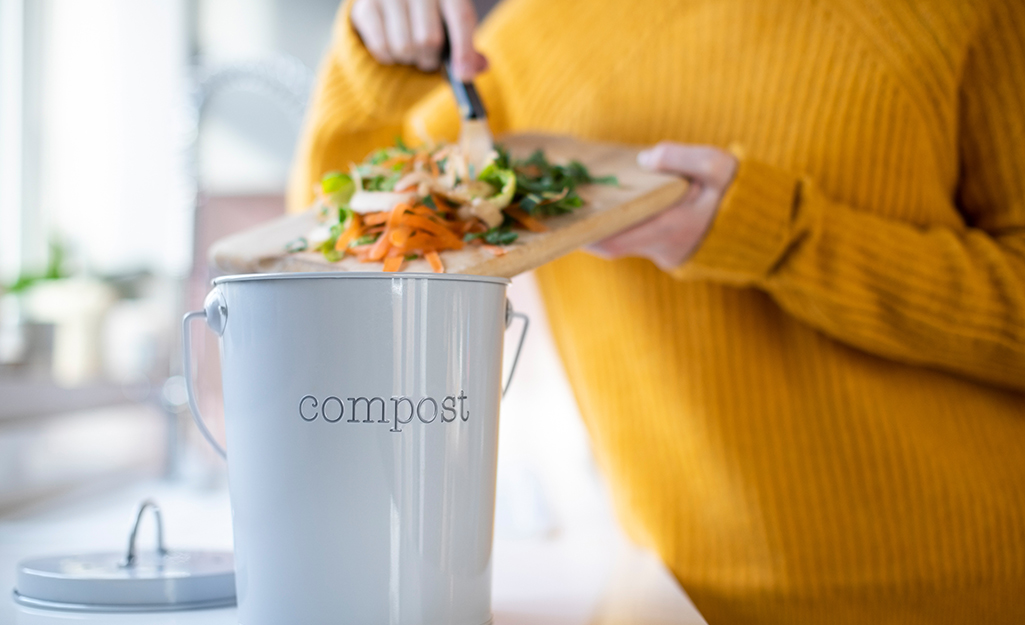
x,y
821,416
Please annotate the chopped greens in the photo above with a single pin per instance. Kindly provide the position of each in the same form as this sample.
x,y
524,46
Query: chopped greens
x,y
499,235
401,146
378,182
544,188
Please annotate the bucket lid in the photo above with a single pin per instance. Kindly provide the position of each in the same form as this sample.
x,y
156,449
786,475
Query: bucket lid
x,y
145,581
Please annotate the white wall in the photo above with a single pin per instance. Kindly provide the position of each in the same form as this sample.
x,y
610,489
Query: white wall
x,y
11,112
113,182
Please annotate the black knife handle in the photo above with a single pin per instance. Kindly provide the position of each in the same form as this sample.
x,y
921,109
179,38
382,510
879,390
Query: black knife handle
x,y
467,98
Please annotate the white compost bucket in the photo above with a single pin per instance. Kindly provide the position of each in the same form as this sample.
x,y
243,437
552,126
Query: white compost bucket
x,y
362,421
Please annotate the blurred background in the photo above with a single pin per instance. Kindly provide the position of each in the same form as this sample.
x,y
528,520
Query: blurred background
x,y
133,133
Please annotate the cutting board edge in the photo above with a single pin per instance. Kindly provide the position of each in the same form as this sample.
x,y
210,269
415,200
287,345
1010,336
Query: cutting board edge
x,y
563,241
221,256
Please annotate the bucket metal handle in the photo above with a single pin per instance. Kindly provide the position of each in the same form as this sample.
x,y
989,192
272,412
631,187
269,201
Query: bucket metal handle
x,y
216,314
510,314
189,388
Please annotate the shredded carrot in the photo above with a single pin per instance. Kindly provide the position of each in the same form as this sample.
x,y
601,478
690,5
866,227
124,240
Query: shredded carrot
x,y
524,218
395,160
423,242
374,219
423,211
472,226
494,249
396,214
350,234
441,203
380,248
442,232
435,261
400,235
383,244
393,263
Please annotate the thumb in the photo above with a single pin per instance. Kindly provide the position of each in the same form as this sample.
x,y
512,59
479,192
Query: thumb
x,y
460,21
701,163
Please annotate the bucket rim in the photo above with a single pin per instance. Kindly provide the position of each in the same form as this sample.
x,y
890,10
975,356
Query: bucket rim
x,y
358,275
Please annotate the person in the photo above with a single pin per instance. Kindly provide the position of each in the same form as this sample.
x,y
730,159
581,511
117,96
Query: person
x,y
806,380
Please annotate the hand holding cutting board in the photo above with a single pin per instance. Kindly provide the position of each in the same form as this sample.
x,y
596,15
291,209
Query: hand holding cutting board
x,y
669,238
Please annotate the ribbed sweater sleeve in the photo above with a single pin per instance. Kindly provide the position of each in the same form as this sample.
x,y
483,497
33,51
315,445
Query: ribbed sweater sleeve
x,y
949,298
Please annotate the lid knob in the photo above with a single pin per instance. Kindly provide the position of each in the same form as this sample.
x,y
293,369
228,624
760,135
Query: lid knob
x,y
129,560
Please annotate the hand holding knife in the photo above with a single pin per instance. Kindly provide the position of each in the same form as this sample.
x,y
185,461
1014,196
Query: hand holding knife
x,y
417,32
474,135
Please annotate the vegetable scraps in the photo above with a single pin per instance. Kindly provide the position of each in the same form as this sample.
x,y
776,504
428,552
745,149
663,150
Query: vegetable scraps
x,y
405,203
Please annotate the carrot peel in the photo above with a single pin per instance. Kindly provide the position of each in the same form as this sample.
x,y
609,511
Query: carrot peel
x,y
435,261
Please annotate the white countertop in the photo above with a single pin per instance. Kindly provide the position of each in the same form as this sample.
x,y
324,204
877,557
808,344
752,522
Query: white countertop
x,y
592,576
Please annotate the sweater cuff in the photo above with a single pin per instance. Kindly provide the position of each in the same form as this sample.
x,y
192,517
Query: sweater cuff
x,y
751,231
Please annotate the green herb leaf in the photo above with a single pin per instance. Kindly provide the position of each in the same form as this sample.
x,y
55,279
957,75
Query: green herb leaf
x,y
382,183
378,157
499,235
366,239
344,215
402,147
297,245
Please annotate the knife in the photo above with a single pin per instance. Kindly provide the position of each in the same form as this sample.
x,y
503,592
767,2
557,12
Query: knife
x,y
474,134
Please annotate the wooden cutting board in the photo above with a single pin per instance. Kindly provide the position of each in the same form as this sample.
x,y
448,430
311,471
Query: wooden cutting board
x,y
608,209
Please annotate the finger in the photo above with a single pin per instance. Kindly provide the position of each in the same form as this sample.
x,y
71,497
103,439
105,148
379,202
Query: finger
x,y
598,249
425,25
480,63
635,237
634,241
668,253
704,164
669,238
461,19
396,29
629,240
366,18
